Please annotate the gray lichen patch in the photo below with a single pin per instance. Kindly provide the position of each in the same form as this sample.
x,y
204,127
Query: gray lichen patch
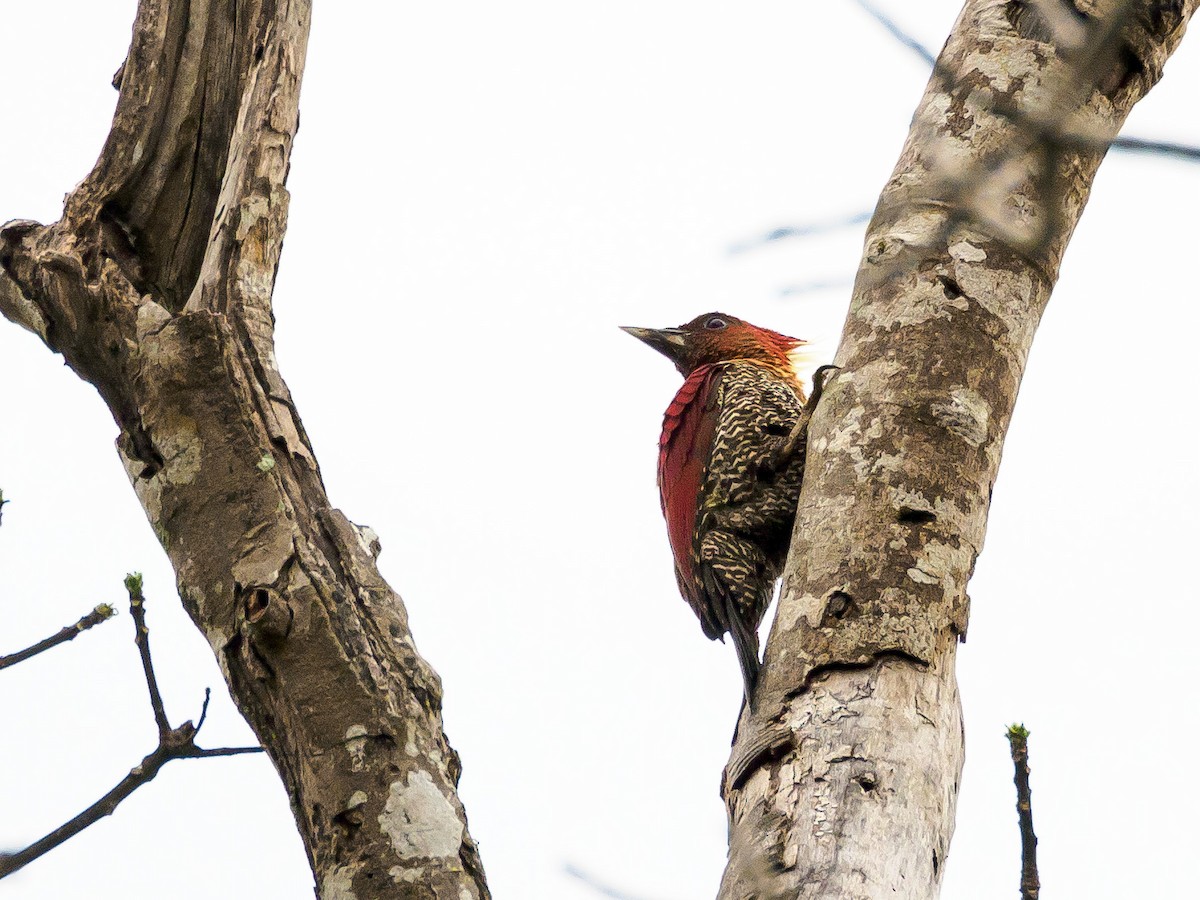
x,y
924,300
181,450
967,252
419,819
965,414
149,494
1009,296
151,317
401,875
944,563
356,746
19,308
338,885
850,436
263,552
921,576
253,282
794,609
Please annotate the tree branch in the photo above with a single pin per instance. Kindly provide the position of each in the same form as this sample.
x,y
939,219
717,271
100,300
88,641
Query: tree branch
x,y
156,287
101,613
1018,745
844,782
173,743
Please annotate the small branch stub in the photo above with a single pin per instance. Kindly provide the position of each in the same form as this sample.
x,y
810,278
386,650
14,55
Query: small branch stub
x,y
1018,744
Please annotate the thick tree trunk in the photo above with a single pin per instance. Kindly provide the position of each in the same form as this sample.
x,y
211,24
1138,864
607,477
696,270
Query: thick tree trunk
x,y
156,287
844,784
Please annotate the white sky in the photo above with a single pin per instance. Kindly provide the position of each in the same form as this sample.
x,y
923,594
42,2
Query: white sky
x,y
482,192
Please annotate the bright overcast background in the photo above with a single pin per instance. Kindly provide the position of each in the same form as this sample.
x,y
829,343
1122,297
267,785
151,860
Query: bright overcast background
x,y
481,193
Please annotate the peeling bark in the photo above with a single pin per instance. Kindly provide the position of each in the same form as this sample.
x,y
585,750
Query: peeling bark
x,y
156,288
844,783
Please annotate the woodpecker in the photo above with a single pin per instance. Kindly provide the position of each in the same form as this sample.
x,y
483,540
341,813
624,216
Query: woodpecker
x,y
730,461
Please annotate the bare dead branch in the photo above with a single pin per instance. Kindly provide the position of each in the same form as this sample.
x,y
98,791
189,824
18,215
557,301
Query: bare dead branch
x,y
2,502
1018,745
173,743
101,613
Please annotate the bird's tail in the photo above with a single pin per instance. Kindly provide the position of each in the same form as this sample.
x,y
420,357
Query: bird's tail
x,y
745,643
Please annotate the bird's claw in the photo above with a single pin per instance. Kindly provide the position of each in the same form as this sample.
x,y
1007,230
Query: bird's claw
x,y
782,454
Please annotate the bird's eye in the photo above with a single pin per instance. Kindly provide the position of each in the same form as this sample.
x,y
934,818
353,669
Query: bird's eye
x,y
715,323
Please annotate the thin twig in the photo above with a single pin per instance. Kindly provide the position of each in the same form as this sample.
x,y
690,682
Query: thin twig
x,y
897,32
202,753
808,229
816,285
101,613
1018,744
173,743
204,709
141,636
1159,148
2,502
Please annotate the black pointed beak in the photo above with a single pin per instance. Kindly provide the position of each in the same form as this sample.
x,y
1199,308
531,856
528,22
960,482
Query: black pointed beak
x,y
670,342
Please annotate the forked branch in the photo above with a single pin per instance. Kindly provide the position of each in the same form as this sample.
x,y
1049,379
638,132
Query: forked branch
x,y
173,743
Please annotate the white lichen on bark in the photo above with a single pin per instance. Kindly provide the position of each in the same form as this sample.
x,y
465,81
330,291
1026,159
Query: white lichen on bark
x,y
419,820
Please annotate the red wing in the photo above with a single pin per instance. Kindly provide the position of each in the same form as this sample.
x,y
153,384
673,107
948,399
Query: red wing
x,y
688,428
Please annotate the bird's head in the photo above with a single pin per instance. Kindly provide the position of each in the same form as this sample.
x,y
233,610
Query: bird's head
x,y
716,337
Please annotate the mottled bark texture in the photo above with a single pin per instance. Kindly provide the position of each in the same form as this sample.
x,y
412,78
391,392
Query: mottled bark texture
x,y
844,784
156,287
